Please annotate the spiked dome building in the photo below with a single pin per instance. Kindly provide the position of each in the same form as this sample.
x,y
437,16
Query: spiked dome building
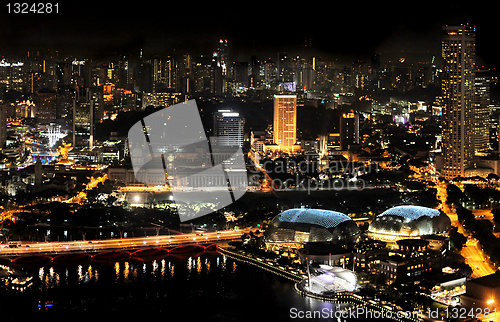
x,y
295,228
310,225
408,221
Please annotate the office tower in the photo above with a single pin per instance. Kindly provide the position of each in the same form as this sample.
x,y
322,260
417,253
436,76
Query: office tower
x,y
240,71
285,122
78,73
145,77
25,109
187,77
284,71
228,128
11,75
216,79
269,71
49,74
83,119
375,70
360,74
375,59
97,98
349,130
307,75
401,76
219,69
482,111
47,107
158,73
457,91
222,60
125,73
3,124
254,77
424,75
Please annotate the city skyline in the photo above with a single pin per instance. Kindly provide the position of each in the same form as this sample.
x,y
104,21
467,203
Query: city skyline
x,y
115,31
250,158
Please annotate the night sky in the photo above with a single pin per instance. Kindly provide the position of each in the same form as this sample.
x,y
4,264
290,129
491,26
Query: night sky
x,y
345,32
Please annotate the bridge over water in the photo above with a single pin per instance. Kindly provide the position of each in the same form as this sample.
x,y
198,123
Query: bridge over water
x,y
117,248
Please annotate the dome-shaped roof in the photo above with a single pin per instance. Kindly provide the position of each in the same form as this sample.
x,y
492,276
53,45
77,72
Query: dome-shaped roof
x,y
408,222
411,212
324,218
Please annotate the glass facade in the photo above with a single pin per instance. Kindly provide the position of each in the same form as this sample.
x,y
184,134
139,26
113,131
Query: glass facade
x,y
408,222
311,225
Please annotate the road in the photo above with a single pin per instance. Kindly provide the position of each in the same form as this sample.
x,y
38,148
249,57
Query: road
x,y
441,195
475,257
483,212
471,251
122,243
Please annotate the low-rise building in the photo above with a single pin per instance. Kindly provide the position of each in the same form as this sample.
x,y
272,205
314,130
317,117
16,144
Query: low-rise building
x,y
413,258
483,292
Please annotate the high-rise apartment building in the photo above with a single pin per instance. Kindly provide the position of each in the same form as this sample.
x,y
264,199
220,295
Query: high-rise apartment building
x,y
457,91
285,123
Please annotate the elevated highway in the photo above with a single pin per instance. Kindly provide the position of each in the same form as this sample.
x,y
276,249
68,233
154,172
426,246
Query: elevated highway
x,y
115,247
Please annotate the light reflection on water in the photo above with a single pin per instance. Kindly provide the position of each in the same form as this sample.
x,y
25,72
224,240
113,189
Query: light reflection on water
x,y
50,276
223,288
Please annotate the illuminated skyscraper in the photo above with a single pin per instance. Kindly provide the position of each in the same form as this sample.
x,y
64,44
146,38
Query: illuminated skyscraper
x,y
222,54
187,74
349,130
285,123
482,112
3,124
228,128
458,52
219,68
83,119
46,109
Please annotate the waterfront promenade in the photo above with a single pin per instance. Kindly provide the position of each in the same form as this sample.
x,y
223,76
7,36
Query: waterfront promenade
x,y
354,303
